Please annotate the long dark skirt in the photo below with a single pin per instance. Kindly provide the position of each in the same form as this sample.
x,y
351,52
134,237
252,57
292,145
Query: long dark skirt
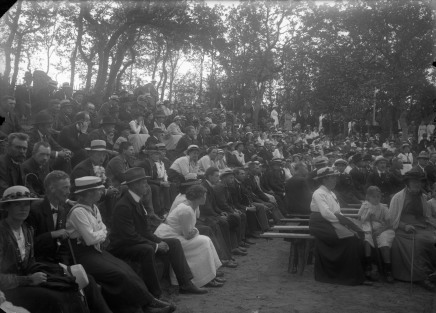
x,y
424,254
337,261
120,284
38,299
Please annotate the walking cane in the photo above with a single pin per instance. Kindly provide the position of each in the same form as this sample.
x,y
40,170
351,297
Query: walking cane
x,y
75,262
413,259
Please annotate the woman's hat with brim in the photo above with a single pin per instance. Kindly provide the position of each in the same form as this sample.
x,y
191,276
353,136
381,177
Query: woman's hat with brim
x,y
226,173
423,155
87,183
177,118
108,120
18,193
276,161
404,145
380,158
42,118
191,182
367,157
326,172
134,174
192,148
321,161
414,174
97,145
237,144
340,162
161,146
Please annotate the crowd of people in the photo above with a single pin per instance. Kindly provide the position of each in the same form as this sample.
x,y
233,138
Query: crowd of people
x,y
135,190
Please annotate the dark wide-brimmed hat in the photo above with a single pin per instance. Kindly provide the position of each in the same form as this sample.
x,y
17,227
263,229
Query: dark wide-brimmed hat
x,y
108,120
326,172
367,157
226,173
423,155
42,118
276,161
320,161
161,146
87,183
134,174
414,174
18,193
237,144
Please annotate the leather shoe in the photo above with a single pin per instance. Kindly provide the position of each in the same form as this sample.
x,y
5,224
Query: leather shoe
x,y
219,274
229,264
253,235
167,309
238,252
213,283
242,248
220,280
192,289
156,303
249,242
427,284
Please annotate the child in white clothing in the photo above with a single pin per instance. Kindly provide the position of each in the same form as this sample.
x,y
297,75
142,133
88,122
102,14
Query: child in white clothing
x,y
375,213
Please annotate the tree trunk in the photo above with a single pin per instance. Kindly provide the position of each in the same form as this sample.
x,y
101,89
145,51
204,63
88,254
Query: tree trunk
x,y
123,70
172,75
17,61
73,57
88,76
164,75
8,46
200,91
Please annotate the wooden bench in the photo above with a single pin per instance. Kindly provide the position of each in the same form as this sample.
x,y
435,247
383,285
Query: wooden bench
x,y
300,242
350,210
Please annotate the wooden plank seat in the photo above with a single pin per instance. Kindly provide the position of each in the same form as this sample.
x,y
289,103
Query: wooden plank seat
x,y
354,206
350,210
351,215
291,228
300,244
295,220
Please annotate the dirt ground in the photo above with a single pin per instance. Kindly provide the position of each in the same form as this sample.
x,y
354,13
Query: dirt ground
x,y
261,284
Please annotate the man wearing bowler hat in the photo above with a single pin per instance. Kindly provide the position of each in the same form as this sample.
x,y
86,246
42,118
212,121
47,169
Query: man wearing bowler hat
x,y
155,138
105,132
132,238
42,123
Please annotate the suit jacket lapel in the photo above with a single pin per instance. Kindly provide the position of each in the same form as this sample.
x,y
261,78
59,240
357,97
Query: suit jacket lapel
x,y
48,216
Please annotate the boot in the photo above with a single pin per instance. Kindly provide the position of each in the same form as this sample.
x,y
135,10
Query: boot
x,y
389,276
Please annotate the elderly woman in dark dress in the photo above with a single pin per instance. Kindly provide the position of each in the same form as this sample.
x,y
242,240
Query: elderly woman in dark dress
x,y
415,230
338,241
21,285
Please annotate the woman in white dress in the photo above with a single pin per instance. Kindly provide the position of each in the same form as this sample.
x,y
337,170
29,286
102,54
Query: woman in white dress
x,y
199,250
139,133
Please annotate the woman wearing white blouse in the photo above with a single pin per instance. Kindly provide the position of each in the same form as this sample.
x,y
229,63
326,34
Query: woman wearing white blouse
x,y
122,287
137,126
239,147
338,241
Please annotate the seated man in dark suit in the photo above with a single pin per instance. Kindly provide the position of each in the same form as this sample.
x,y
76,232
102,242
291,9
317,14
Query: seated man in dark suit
x,y
37,167
252,184
257,219
274,180
118,165
106,132
11,173
74,137
48,218
132,238
42,123
156,137
237,220
11,123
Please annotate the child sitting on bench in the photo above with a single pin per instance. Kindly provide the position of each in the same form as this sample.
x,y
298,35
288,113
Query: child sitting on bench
x,y
375,213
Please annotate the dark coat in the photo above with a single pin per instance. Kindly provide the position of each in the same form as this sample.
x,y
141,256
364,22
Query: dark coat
x,y
115,169
82,169
256,193
184,142
131,224
239,195
75,141
34,137
151,143
274,180
35,182
430,171
298,195
223,198
10,174
9,125
210,207
41,219
381,181
358,176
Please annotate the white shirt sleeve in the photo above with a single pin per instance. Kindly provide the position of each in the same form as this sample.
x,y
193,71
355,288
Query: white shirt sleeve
x,y
134,128
91,230
321,203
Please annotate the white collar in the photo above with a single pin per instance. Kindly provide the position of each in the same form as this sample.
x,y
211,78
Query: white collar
x,y
135,196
